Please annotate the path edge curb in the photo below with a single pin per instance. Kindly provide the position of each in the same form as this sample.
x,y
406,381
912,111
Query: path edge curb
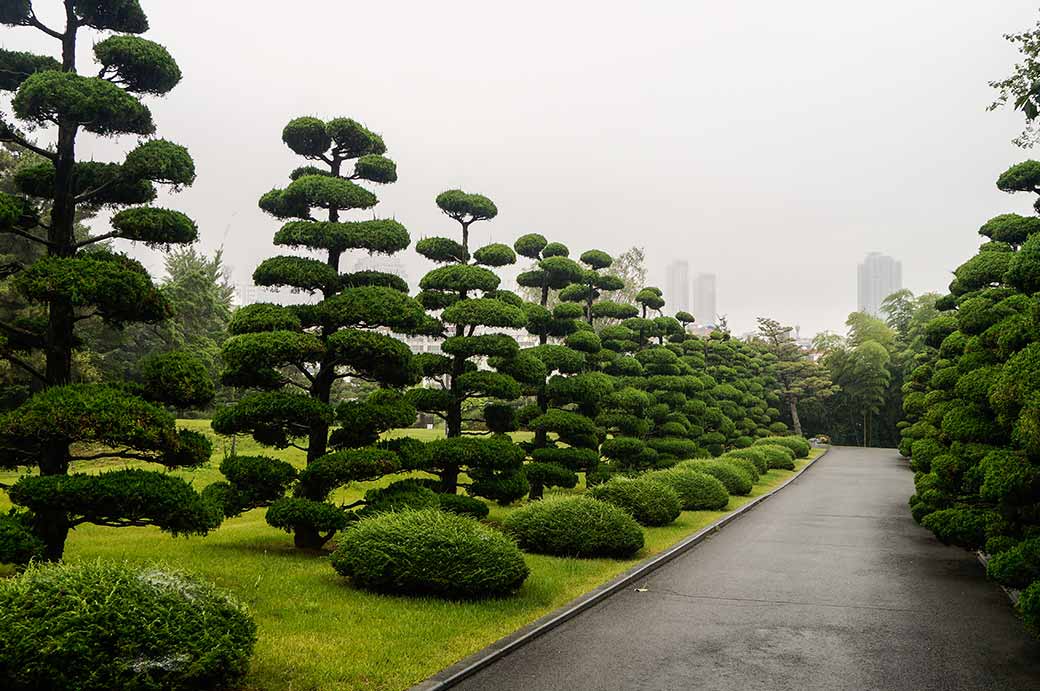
x,y
473,663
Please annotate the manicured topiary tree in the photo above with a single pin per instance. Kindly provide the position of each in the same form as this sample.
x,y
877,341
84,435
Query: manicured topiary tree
x,y
593,283
289,358
79,279
972,403
571,386
464,292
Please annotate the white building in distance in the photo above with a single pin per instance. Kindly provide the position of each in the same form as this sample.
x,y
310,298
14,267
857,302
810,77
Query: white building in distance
x,y
677,286
878,277
705,308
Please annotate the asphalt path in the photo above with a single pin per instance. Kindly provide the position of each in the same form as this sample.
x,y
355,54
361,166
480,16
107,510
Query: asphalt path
x,y
827,585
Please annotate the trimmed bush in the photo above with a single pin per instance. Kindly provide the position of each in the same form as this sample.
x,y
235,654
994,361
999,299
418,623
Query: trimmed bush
x,y
400,496
1029,607
463,505
733,478
649,502
429,552
575,526
757,455
799,445
697,491
963,527
744,465
779,457
1018,566
105,625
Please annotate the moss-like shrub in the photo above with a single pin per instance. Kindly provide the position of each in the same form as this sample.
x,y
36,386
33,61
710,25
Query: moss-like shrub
x,y
429,552
575,526
778,457
999,543
1018,566
111,626
1029,607
401,495
463,505
757,455
697,491
799,445
963,527
649,502
744,465
733,478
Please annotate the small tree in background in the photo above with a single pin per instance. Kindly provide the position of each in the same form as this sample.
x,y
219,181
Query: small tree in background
x,y
291,357
800,377
75,281
467,297
594,282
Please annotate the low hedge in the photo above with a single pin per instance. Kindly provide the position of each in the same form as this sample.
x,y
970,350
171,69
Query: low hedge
x,y
1018,566
778,457
735,481
649,502
757,455
429,552
575,526
1029,607
697,491
799,445
104,625
463,505
743,465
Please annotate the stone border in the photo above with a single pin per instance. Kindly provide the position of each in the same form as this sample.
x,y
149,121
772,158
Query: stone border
x,y
470,665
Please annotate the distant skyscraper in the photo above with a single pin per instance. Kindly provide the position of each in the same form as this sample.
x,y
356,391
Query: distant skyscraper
x,y
677,286
705,309
879,276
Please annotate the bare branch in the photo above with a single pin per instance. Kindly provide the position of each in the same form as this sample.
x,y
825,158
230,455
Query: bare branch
x,y
27,235
7,134
34,21
98,238
22,364
123,453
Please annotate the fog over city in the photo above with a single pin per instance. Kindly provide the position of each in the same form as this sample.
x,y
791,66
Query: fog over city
x,y
773,144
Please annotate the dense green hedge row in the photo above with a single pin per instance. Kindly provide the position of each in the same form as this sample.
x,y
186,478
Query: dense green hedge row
x,y
972,405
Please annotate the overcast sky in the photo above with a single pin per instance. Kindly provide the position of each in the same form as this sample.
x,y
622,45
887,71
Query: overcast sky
x,y
773,144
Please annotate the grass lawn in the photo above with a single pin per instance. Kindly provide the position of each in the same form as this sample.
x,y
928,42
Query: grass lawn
x,y
318,632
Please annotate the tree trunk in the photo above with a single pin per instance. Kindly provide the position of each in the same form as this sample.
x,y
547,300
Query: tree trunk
x,y
537,490
794,416
308,537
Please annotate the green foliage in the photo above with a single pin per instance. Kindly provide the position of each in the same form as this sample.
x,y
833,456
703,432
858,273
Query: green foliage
x,y
1024,269
798,445
484,312
119,498
495,255
256,480
735,481
442,250
697,490
962,527
1018,566
96,105
757,455
138,64
466,207
530,245
429,553
106,181
650,502
779,457
16,67
177,378
462,505
382,236
1029,607
113,626
18,543
302,516
575,526
155,226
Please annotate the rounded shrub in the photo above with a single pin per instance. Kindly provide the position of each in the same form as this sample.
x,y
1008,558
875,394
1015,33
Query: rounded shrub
x,y
757,455
575,526
429,552
962,527
463,505
104,625
778,457
799,445
733,478
1029,607
649,502
399,496
1018,566
697,491
744,465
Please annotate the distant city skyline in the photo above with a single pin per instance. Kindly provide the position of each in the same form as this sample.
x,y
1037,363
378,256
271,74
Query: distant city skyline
x,y
677,286
878,276
705,296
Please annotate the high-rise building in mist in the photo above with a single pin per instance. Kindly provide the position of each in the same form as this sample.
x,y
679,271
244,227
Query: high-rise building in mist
x,y
879,276
677,286
705,310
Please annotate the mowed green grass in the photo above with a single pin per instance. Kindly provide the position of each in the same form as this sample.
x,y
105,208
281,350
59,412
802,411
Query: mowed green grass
x,y
316,631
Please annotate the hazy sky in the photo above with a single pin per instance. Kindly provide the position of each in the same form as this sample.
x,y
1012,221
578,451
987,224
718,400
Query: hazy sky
x,y
773,144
